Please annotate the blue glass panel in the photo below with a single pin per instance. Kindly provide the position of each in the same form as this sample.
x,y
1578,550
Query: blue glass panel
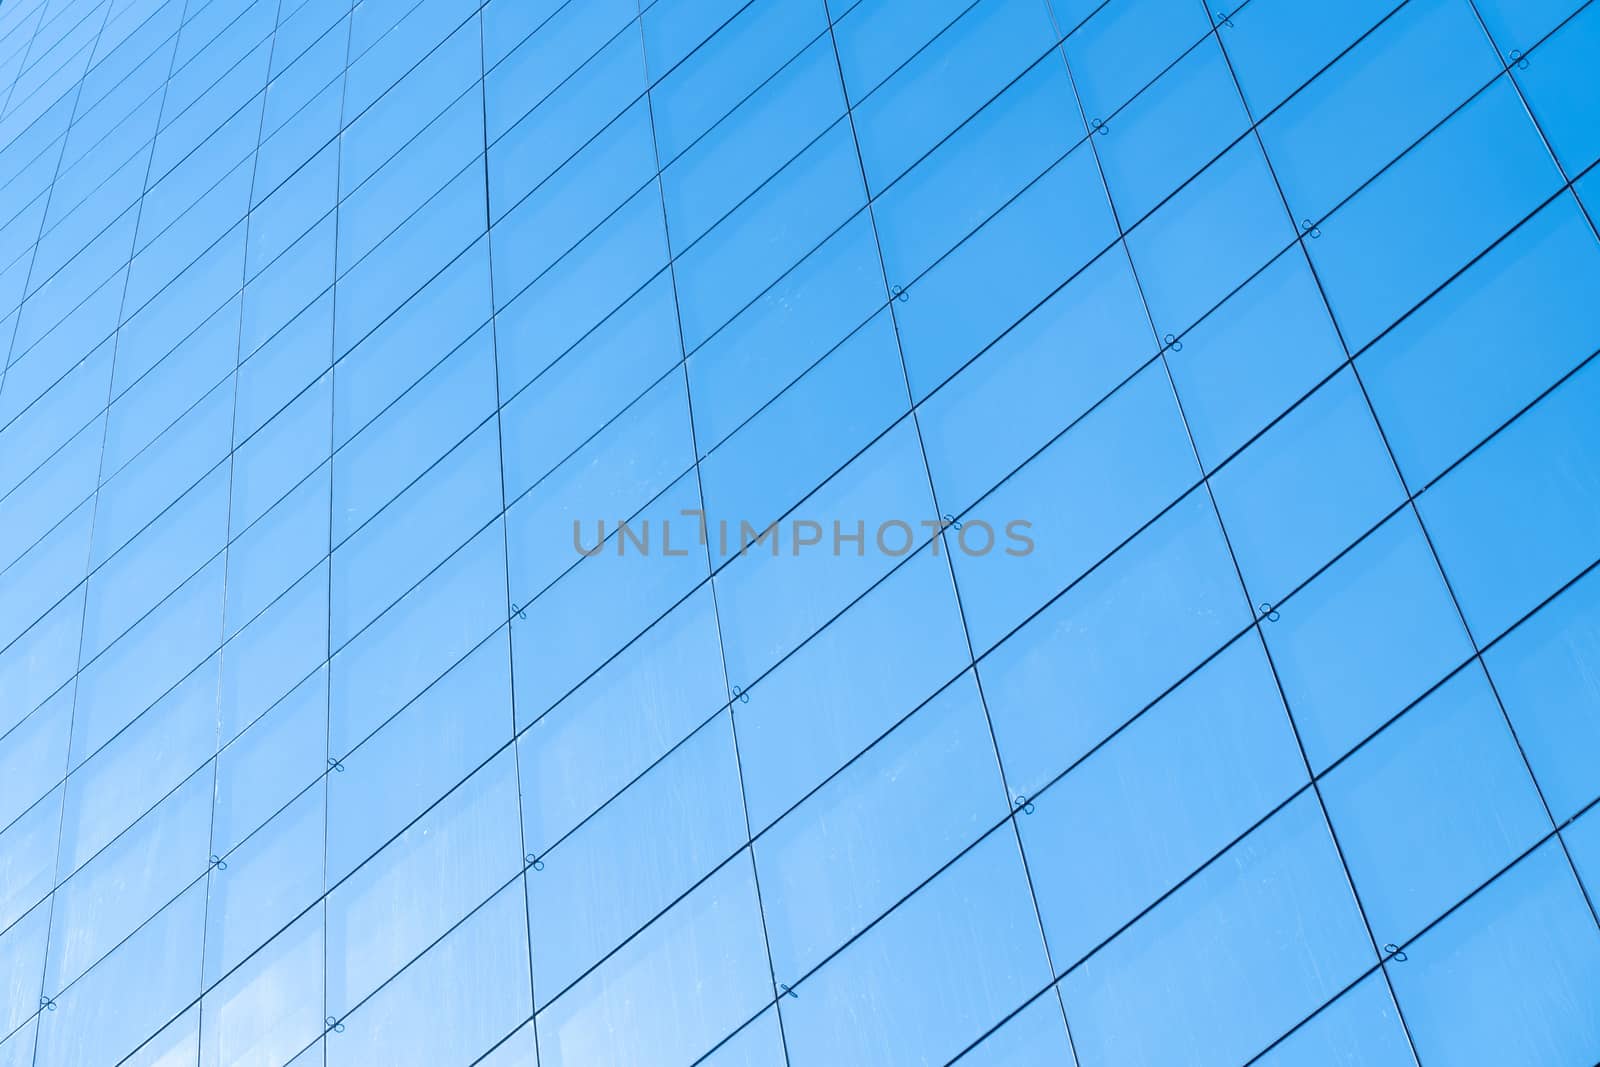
x,y
637,1007
584,750
1582,839
1019,257
887,653
1432,807
1256,941
1360,1029
1245,363
1276,46
877,829
1042,375
1309,486
1391,88
32,756
423,882
1364,639
150,978
1116,641
1389,247
1534,484
681,819
428,1011
1439,380
1123,47
1107,476
945,82
1563,99
913,1007
273,877
876,36
1034,1037
1532,924
1209,238
1517,25
271,1007
1024,322
1182,781
1170,131
1544,672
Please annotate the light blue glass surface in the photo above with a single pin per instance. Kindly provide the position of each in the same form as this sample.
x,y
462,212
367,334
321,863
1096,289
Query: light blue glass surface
x,y
1171,428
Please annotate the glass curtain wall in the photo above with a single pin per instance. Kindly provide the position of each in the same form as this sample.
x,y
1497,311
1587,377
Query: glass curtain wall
x,y
799,532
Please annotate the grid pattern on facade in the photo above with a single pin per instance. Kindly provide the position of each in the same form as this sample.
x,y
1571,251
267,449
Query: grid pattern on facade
x,y
331,332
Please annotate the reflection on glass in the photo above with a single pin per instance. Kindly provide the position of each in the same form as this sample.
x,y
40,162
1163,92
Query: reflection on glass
x,y
1271,324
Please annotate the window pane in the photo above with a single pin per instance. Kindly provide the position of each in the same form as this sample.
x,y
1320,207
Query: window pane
x,y
1361,1027
1177,986
1532,923
1544,674
1432,807
891,997
1533,485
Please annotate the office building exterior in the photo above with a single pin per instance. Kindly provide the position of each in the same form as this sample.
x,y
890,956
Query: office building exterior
x,y
811,532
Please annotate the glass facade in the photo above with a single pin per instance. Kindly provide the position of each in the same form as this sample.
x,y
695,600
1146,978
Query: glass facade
x,y
812,532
